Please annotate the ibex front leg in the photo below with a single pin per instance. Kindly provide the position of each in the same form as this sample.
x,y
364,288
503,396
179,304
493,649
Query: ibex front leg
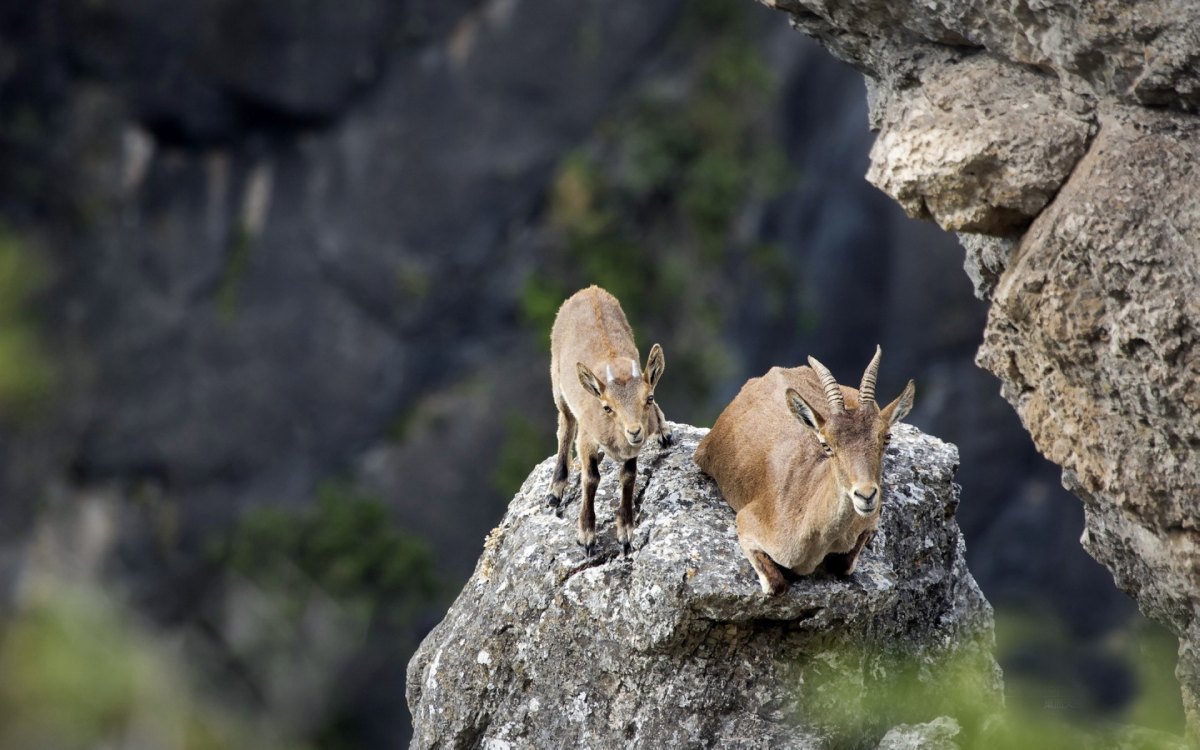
x,y
589,459
844,563
660,430
567,427
769,575
625,510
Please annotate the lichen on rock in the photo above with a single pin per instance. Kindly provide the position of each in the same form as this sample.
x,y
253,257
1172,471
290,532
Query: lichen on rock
x,y
675,645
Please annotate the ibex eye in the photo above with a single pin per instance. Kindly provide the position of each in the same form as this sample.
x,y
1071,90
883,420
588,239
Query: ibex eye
x,y
827,448
607,409
650,399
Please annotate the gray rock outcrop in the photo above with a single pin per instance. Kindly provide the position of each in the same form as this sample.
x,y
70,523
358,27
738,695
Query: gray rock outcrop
x,y
988,162
938,734
1066,136
675,645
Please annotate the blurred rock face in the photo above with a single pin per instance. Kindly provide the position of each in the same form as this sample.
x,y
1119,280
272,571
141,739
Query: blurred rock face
x,y
1094,311
674,645
246,256
208,70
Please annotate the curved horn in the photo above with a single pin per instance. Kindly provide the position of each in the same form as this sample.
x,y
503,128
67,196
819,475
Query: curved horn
x,y
866,391
833,391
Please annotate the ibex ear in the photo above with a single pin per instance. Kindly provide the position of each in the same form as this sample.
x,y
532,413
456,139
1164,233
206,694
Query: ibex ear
x,y
589,381
805,413
656,364
899,409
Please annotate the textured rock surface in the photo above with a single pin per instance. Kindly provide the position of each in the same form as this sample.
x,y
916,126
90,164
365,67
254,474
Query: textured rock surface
x,y
674,646
1145,52
1096,311
938,734
980,146
1094,329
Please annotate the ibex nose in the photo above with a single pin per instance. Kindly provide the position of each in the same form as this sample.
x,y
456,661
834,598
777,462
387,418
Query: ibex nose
x,y
866,498
634,435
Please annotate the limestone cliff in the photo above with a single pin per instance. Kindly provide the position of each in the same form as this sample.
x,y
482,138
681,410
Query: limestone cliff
x,y
675,645
1065,137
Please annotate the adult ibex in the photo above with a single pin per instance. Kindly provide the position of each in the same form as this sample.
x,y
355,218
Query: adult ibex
x,y
605,402
800,459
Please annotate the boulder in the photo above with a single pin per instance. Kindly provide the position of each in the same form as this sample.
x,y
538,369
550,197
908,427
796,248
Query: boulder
x,y
980,147
675,645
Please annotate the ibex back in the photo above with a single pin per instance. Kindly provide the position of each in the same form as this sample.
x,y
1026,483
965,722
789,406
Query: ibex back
x,y
800,459
605,401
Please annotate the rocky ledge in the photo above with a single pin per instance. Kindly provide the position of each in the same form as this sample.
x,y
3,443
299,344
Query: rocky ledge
x,y
675,645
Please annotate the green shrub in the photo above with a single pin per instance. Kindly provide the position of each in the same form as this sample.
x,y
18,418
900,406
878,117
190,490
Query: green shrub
x,y
856,695
345,545
524,444
76,673
27,374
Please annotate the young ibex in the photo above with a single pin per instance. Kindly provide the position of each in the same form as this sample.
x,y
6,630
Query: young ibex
x,y
606,399
809,492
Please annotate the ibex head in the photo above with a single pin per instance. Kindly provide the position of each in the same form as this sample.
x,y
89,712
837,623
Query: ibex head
x,y
853,439
626,392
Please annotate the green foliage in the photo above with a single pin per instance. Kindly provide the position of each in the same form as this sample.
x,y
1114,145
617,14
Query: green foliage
x,y
346,546
1151,650
27,375
522,446
539,303
707,17
241,242
856,695
413,280
1148,650
649,210
323,586
76,673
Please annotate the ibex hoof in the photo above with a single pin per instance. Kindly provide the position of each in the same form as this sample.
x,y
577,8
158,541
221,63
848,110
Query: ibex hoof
x,y
666,439
625,548
774,588
589,549
553,500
